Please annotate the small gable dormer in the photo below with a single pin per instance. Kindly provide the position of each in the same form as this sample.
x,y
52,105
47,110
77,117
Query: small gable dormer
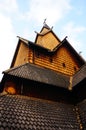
x,y
46,38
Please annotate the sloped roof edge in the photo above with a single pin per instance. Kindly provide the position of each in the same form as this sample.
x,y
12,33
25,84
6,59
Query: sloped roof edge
x,y
75,52
50,29
55,49
25,41
33,72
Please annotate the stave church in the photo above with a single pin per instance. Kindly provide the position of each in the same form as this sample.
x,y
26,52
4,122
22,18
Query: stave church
x,y
45,86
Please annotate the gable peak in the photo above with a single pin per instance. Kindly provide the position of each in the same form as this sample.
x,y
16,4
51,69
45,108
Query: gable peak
x,y
45,25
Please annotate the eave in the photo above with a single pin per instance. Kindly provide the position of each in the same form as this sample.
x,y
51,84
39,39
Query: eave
x,y
39,74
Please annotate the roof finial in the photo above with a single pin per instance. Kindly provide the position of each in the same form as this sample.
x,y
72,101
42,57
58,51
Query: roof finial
x,y
45,25
44,21
80,52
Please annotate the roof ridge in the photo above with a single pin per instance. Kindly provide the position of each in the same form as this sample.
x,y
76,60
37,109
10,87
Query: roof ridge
x,y
46,26
22,38
73,49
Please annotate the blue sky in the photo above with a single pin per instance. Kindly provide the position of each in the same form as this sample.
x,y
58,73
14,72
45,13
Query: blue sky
x,y
23,17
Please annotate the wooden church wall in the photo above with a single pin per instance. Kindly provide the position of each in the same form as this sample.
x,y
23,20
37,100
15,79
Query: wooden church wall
x,y
30,55
66,62
62,61
22,56
48,41
44,30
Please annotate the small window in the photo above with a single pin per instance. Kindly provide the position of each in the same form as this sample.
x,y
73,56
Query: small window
x,y
75,68
63,64
51,60
24,59
37,54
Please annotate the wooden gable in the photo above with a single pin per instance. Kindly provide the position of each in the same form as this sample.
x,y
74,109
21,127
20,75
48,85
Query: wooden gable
x,y
49,52
21,53
47,38
62,60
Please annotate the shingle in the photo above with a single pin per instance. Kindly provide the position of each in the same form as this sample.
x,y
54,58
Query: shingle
x,y
82,111
36,114
43,75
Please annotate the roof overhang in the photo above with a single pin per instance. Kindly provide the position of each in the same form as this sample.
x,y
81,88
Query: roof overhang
x,y
39,74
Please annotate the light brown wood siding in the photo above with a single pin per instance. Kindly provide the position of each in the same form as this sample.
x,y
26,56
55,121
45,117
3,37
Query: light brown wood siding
x,y
62,61
22,56
30,56
45,30
48,40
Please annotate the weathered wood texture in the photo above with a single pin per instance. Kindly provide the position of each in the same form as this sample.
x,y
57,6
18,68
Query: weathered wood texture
x,y
30,55
47,40
44,30
22,56
62,61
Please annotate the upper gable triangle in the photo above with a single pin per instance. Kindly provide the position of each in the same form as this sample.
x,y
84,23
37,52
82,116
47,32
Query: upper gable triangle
x,y
45,29
47,38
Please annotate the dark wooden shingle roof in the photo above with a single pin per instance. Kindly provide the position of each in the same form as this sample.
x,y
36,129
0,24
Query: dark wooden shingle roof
x,y
39,74
24,113
82,112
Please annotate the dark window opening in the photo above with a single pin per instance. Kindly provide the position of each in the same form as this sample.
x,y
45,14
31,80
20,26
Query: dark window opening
x,y
51,60
37,54
75,68
63,64
24,59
